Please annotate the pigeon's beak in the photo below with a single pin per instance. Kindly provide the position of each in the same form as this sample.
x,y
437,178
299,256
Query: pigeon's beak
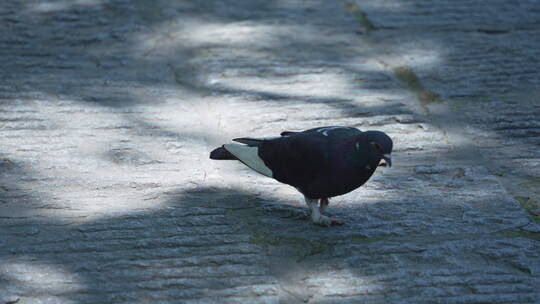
x,y
387,160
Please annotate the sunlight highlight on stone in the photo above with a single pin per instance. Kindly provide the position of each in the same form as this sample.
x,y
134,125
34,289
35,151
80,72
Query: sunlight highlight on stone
x,y
39,277
58,6
179,34
420,59
239,33
320,84
387,5
342,283
425,58
76,177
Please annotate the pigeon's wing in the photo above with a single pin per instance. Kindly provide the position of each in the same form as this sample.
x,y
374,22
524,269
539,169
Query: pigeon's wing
x,y
303,158
294,160
347,131
319,129
253,142
297,159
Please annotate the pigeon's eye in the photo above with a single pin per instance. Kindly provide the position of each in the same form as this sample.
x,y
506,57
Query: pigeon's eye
x,y
376,145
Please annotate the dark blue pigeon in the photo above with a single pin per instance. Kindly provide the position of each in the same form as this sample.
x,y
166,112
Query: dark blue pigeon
x,y
321,163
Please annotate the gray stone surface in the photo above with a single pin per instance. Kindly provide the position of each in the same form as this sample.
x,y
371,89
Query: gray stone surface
x,y
108,109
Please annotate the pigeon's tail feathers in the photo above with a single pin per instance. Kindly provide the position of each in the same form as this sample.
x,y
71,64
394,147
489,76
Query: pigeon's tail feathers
x,y
249,155
287,133
222,154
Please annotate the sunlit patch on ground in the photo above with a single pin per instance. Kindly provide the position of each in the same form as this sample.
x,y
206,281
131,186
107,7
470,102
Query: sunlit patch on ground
x,y
29,276
55,6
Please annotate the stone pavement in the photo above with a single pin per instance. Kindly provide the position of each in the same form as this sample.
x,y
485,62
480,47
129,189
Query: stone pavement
x,y
109,108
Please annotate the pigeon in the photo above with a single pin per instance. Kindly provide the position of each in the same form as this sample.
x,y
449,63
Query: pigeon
x,y
320,163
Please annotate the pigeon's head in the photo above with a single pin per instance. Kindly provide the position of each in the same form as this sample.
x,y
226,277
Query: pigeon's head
x,y
383,145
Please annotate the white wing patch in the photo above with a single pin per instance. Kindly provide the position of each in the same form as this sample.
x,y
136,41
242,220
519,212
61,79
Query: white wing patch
x,y
250,157
324,131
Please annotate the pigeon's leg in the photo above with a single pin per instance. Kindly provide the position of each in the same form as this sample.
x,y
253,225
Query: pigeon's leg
x,y
317,217
324,203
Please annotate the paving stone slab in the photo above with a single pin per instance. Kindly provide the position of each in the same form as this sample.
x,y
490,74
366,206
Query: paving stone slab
x,y
109,109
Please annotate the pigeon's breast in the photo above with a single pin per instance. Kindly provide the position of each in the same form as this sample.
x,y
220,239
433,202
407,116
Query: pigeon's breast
x,y
338,182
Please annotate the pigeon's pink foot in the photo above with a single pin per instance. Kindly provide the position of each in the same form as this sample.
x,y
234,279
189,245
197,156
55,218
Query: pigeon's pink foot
x,y
326,221
336,221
